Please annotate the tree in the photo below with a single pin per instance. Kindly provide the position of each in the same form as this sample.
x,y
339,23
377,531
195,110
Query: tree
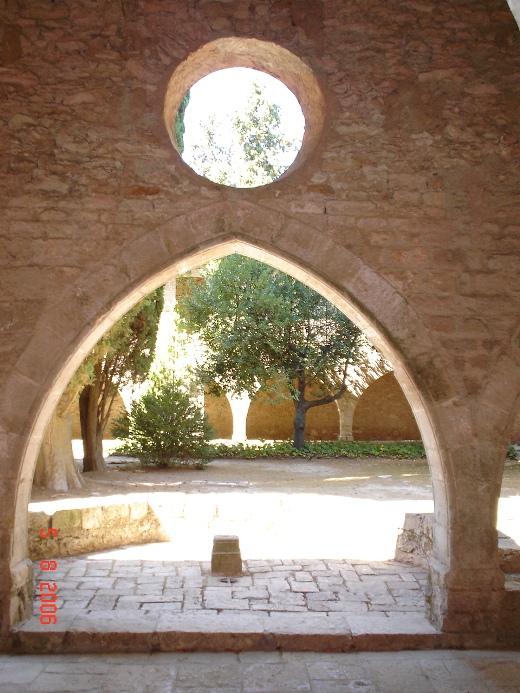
x,y
164,426
261,327
56,468
253,152
124,355
180,127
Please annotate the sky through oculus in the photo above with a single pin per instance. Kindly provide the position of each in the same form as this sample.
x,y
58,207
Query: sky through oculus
x,y
243,128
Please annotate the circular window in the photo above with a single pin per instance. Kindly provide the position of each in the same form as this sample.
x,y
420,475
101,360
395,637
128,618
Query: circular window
x,y
239,127
243,127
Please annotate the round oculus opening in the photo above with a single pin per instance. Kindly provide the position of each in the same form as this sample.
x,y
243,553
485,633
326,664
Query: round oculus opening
x,y
266,58
239,127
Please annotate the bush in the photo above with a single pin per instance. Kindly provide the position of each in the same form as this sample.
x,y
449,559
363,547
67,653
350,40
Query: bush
x,y
164,427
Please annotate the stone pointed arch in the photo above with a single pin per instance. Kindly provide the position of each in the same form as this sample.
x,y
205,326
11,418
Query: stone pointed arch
x,y
94,302
498,407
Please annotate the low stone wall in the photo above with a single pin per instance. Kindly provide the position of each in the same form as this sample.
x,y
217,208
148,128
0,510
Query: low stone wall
x,y
508,632
93,528
415,544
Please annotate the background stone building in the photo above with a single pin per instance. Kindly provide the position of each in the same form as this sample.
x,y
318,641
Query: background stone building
x,y
402,209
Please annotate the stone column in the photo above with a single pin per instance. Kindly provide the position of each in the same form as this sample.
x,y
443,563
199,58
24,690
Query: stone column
x,y
346,406
239,407
371,367
466,583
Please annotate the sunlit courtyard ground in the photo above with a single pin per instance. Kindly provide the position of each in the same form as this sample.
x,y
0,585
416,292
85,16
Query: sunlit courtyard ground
x,y
320,508
317,537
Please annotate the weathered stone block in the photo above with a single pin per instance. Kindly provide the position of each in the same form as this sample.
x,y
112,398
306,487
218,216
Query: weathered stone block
x,y
67,519
415,544
225,557
92,518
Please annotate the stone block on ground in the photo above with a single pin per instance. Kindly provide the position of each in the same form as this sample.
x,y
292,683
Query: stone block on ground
x,y
226,559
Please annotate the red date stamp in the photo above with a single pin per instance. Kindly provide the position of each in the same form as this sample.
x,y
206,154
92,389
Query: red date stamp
x,y
48,590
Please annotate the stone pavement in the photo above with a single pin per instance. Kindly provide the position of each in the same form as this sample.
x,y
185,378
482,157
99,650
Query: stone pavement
x,y
264,672
91,585
115,605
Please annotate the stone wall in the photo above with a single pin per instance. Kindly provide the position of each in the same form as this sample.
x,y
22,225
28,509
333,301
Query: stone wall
x,y
269,420
383,413
415,544
93,526
402,209
515,436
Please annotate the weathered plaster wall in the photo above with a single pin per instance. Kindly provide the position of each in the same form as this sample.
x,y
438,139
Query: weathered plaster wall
x,y
383,413
405,214
97,526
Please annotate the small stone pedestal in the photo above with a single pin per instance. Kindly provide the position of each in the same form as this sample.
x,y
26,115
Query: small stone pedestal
x,y
225,557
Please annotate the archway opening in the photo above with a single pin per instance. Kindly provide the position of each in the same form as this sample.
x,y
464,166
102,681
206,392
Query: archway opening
x,y
307,500
271,62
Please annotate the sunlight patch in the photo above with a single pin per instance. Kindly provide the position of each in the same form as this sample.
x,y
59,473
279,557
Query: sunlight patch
x,y
240,127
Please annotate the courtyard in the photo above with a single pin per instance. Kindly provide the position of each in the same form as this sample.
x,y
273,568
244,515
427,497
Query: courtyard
x,y
317,538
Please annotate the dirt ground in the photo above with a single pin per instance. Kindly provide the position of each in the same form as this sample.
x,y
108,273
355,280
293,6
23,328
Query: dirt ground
x,y
374,478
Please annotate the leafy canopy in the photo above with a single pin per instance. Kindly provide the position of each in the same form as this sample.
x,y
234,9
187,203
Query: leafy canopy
x,y
127,349
261,327
123,356
180,126
253,152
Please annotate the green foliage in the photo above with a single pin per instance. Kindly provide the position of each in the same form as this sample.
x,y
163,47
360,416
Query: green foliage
x,y
260,326
253,154
129,346
180,128
511,452
124,354
322,448
164,427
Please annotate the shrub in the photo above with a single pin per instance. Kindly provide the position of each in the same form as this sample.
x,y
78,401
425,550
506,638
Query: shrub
x,y
164,427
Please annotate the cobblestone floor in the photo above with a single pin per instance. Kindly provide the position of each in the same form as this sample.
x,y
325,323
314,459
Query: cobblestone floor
x,y
264,672
88,585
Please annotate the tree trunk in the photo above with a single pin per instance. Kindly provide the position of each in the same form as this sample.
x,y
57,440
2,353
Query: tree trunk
x,y
93,460
302,405
299,423
56,468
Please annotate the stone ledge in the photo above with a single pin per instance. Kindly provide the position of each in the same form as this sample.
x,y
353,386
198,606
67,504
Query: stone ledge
x,y
285,632
408,637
